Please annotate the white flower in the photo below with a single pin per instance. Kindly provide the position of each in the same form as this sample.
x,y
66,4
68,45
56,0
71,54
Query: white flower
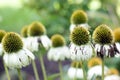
x,y
97,71
83,52
34,42
58,53
1,49
117,49
75,72
112,77
72,26
18,59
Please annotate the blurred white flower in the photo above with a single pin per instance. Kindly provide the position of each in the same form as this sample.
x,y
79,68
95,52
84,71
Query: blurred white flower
x,y
112,77
58,53
75,72
85,25
18,59
96,71
80,53
1,49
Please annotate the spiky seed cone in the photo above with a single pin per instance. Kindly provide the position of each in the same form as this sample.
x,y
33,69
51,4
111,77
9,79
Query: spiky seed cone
x,y
2,34
12,42
57,40
113,71
117,34
94,61
103,35
78,17
24,31
36,29
79,36
76,64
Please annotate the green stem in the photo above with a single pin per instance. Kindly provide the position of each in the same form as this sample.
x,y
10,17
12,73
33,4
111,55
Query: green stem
x,y
102,69
84,72
35,70
60,68
43,67
19,74
6,71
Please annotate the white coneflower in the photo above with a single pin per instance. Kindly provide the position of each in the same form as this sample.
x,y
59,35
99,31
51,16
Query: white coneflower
x,y
103,38
37,37
113,74
2,34
75,71
79,17
59,51
15,55
95,68
80,48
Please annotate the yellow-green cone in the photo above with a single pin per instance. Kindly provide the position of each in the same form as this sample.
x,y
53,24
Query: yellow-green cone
x,y
79,36
76,64
24,31
78,17
12,42
103,35
2,34
57,40
117,34
36,29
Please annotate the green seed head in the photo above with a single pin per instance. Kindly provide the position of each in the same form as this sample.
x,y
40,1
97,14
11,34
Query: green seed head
x,y
76,64
103,35
78,17
79,36
36,29
12,42
24,31
2,34
57,40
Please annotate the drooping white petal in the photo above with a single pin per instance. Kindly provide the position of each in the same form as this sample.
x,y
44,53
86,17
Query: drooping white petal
x,y
1,50
12,60
85,25
83,52
112,77
96,70
59,53
46,42
75,72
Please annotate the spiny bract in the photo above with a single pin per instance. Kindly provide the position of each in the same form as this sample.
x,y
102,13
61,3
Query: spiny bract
x,y
76,64
117,34
24,31
78,17
12,42
57,40
103,35
79,36
2,34
36,29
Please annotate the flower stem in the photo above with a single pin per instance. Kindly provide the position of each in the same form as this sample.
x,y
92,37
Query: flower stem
x,y
60,68
6,71
103,69
19,74
84,72
43,67
35,70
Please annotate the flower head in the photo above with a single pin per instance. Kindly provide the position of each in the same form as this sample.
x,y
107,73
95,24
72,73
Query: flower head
x,y
16,56
76,64
103,35
117,34
113,71
36,29
24,31
57,40
94,62
12,42
79,36
78,17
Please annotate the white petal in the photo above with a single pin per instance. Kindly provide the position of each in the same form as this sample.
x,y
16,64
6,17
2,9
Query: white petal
x,y
1,50
112,77
45,41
